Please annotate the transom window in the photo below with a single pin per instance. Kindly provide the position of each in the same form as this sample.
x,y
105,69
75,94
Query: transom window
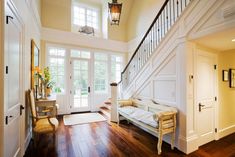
x,y
80,54
84,16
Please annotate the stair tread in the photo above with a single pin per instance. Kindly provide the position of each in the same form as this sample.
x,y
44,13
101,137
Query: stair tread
x,y
105,108
107,103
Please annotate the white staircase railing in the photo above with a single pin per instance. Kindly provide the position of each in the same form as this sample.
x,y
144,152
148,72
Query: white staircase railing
x,y
166,17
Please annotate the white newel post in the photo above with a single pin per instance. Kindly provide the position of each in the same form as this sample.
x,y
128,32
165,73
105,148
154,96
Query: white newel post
x,y
114,114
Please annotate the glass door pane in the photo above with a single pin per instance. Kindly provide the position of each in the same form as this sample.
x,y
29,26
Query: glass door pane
x,y
80,85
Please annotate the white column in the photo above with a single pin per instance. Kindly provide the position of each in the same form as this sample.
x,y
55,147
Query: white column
x,y
114,114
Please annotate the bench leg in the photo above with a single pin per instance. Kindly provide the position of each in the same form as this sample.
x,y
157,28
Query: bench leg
x,y
159,145
172,140
118,119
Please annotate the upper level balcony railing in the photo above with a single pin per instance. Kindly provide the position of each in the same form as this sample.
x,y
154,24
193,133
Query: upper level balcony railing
x,y
166,17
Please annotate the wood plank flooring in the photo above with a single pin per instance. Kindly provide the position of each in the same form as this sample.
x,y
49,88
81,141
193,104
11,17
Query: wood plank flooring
x,y
104,140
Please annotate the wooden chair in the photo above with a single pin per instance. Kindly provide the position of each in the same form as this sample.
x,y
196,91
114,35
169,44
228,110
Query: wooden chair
x,y
41,124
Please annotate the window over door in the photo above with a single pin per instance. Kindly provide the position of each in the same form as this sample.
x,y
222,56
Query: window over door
x,y
57,68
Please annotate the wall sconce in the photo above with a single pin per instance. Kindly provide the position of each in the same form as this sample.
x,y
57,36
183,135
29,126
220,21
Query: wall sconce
x,y
115,10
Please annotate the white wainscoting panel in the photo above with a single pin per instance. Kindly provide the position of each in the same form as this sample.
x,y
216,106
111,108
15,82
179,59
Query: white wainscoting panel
x,y
146,91
165,90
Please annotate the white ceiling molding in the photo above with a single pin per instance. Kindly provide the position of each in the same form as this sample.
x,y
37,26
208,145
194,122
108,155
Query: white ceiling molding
x,y
63,37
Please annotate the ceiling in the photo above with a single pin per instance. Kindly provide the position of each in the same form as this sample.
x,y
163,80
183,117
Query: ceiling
x,y
220,41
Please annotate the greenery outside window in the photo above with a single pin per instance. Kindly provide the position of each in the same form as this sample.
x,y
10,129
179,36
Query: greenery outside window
x,y
57,68
100,73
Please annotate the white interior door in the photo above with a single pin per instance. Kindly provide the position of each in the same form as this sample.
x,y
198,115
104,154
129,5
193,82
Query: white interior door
x,y
80,89
205,96
13,96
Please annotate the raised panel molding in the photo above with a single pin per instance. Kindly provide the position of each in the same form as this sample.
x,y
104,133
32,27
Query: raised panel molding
x,y
145,91
143,76
165,91
168,66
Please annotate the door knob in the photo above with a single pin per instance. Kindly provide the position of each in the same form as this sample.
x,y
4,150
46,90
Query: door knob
x,y
200,107
21,108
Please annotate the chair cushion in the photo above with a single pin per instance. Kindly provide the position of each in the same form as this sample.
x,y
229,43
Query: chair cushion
x,y
127,109
44,126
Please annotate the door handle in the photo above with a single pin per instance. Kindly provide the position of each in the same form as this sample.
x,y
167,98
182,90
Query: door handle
x,y
21,108
89,89
200,107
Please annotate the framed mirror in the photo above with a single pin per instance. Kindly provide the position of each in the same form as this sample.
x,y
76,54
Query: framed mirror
x,y
34,63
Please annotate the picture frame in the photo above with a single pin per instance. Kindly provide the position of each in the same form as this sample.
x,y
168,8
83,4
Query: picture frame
x,y
225,75
232,78
34,63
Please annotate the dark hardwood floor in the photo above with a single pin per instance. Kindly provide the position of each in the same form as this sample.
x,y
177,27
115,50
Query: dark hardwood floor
x,y
104,140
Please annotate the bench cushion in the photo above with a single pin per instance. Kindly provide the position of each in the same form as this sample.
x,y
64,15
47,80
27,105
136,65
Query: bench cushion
x,y
139,114
145,117
149,120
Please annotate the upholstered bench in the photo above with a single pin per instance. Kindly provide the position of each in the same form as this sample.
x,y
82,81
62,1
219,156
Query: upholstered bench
x,y
155,118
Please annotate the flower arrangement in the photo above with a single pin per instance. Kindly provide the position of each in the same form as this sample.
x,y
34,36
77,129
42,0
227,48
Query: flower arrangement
x,y
45,79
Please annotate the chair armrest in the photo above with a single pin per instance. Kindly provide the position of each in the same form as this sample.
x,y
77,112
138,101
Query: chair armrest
x,y
122,103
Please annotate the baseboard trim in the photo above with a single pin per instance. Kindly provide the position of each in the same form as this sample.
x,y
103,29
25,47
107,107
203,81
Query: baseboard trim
x,y
27,140
226,131
187,145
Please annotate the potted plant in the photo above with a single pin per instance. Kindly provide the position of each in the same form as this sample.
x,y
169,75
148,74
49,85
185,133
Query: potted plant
x,y
48,84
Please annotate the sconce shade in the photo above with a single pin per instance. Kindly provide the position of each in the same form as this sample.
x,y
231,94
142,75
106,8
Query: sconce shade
x,y
115,10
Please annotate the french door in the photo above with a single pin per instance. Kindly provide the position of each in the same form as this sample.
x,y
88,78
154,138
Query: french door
x,y
80,85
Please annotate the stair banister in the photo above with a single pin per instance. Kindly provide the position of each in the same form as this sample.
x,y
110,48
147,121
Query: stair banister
x,y
166,17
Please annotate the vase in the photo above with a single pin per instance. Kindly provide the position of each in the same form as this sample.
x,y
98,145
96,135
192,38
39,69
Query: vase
x,y
48,91
44,92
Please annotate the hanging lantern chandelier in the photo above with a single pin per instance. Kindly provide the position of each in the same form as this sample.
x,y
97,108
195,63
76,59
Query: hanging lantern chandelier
x,y
115,10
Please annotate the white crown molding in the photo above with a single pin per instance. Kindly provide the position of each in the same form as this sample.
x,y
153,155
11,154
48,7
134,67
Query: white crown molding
x,y
57,36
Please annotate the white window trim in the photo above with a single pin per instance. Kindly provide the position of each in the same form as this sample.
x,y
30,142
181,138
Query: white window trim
x,y
47,55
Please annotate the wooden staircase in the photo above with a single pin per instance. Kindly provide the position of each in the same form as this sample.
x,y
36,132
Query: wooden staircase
x,y
105,109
